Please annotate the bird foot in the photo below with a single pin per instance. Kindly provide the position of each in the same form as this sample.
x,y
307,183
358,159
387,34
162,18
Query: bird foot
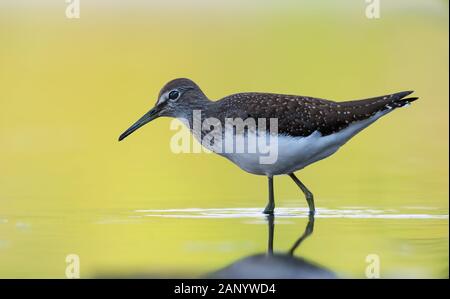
x,y
269,210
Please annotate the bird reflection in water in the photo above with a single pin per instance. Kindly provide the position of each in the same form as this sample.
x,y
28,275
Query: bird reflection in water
x,y
276,265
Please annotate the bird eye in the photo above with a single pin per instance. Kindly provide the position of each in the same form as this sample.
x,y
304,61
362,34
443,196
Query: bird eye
x,y
173,95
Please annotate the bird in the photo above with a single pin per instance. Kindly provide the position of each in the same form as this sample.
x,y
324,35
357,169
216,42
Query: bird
x,y
308,129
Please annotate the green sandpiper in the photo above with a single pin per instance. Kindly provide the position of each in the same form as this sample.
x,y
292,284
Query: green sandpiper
x,y
308,129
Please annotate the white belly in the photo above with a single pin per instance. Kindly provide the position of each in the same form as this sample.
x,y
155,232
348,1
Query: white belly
x,y
295,153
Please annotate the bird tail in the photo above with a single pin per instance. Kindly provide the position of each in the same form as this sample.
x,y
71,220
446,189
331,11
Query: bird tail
x,y
380,103
399,99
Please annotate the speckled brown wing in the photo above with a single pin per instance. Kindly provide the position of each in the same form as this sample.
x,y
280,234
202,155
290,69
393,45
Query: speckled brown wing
x,y
301,116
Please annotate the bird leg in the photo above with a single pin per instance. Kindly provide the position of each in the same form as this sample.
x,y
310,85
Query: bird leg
x,y
271,205
309,196
308,231
271,223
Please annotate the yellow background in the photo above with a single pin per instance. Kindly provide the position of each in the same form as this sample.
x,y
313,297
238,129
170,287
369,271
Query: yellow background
x,y
69,87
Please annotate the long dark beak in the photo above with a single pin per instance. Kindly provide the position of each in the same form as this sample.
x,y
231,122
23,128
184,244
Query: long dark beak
x,y
148,117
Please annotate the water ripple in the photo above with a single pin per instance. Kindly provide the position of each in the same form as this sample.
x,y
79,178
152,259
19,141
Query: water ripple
x,y
362,213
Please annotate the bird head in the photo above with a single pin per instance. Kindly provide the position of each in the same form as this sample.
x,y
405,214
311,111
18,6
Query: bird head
x,y
176,99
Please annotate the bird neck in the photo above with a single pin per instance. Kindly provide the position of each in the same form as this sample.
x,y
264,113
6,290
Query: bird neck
x,y
198,110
